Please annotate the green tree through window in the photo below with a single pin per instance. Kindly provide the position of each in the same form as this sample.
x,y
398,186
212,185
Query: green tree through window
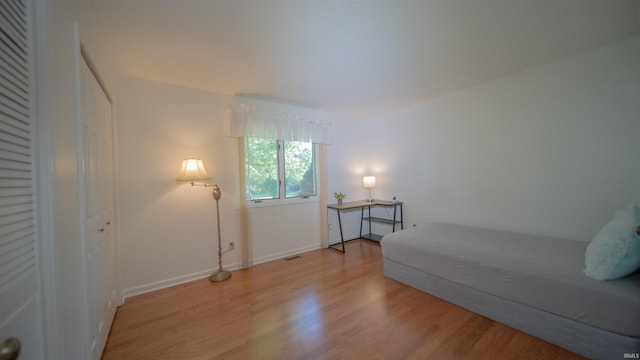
x,y
268,161
299,169
262,168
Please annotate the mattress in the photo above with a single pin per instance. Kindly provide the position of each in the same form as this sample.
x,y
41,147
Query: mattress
x,y
540,272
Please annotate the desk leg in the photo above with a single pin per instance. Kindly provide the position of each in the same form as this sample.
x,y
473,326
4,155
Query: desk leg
x,y
369,214
341,235
361,220
393,229
401,218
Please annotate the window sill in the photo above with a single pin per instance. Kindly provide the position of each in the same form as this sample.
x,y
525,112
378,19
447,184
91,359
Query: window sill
x,y
282,202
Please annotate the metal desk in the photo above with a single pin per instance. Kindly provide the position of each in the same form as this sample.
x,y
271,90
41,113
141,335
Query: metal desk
x,y
370,219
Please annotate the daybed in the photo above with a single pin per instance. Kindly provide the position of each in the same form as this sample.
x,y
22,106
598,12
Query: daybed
x,y
535,284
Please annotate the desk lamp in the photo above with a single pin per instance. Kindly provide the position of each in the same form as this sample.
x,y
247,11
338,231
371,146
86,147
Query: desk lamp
x,y
369,182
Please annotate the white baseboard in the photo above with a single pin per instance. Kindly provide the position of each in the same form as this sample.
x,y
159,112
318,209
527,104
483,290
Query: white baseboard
x,y
284,254
138,290
347,237
173,281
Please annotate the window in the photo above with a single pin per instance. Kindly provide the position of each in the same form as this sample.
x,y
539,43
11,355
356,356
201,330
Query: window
x,y
278,169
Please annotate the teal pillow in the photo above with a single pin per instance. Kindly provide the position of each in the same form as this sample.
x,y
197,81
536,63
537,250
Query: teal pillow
x,y
615,251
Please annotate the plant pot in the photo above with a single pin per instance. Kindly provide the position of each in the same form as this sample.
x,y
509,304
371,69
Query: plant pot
x,y
339,201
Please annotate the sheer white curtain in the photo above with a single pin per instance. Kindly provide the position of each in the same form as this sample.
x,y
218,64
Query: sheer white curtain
x,y
257,117
275,121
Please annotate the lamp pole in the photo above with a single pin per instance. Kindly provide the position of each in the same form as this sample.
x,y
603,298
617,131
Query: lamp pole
x,y
220,274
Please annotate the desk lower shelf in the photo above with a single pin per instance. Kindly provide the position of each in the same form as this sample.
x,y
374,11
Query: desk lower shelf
x,y
370,219
381,220
372,237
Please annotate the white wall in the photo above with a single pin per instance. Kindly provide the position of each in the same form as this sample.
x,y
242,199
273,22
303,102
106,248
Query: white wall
x,y
347,163
168,228
552,150
280,231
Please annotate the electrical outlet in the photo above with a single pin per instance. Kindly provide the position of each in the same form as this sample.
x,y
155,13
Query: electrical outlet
x,y
231,245
330,226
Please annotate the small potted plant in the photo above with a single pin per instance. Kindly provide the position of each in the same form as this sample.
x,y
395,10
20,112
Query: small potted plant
x,y
339,196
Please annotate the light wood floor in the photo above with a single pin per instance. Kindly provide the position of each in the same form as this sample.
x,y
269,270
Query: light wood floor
x,y
322,305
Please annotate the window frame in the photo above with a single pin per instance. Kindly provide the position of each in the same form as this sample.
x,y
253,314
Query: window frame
x,y
283,199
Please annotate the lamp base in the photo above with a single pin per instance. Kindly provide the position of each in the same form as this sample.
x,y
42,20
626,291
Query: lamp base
x,y
220,275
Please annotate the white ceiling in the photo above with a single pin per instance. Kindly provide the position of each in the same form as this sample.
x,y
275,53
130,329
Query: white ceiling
x,y
351,56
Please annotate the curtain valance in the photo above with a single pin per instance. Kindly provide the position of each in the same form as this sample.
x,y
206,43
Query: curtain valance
x,y
250,116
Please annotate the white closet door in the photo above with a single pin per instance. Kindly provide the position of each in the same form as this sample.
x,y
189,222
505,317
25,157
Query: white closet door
x,y
20,293
98,183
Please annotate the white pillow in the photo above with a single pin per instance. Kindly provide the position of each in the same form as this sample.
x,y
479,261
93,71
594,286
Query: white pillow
x,y
615,251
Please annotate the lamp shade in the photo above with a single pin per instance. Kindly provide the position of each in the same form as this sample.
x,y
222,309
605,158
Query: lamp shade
x,y
191,170
369,182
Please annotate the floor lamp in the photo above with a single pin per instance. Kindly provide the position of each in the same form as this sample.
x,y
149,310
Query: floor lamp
x,y
193,170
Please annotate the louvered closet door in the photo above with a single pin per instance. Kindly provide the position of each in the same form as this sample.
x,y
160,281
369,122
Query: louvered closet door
x,y
20,307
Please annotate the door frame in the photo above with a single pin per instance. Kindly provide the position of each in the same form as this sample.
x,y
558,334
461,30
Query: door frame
x,y
44,180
